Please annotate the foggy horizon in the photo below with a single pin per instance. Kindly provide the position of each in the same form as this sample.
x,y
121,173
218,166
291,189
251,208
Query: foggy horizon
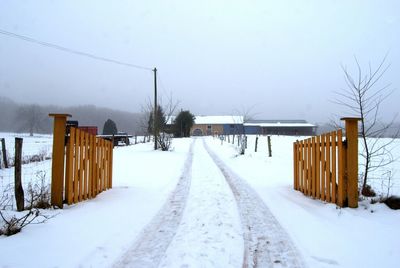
x,y
275,60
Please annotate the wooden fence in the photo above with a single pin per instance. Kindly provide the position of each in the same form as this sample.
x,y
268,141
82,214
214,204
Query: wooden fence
x,y
82,164
88,166
326,166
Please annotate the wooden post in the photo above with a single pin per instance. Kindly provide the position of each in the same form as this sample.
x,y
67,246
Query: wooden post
x,y
341,196
351,125
19,192
57,171
4,152
255,147
69,171
269,146
295,165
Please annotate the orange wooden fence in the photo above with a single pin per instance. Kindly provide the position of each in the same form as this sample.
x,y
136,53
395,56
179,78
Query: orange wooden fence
x,y
88,166
83,166
326,166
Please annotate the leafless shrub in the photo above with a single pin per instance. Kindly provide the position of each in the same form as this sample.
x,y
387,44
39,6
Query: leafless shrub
x,y
38,193
164,141
12,222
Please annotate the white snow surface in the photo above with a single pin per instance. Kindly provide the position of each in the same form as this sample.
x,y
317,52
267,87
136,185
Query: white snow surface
x,y
208,232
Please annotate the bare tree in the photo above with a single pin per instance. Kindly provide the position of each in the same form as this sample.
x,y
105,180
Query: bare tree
x,y
246,115
363,97
164,120
32,117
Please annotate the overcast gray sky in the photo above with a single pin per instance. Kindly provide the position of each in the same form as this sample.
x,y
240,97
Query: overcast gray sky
x,y
282,58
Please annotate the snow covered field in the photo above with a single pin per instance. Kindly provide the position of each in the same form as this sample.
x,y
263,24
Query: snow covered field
x,y
185,209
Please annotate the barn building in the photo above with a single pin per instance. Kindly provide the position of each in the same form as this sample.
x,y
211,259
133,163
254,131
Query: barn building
x,y
228,125
216,125
280,127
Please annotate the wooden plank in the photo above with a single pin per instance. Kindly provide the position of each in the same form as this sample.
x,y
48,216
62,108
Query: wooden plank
x,y
323,167
318,168
69,171
334,151
105,165
95,171
102,165
314,163
81,169
306,167
76,166
86,181
100,188
295,166
328,167
341,184
84,157
309,167
111,163
301,163
90,184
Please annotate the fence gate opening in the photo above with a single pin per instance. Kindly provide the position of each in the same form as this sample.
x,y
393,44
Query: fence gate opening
x,y
81,164
326,166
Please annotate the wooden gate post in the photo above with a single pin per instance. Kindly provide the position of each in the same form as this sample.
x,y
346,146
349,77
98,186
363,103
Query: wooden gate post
x,y
351,166
4,152
57,170
18,190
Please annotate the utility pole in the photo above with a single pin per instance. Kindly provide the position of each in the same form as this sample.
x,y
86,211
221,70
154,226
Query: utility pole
x,y
155,130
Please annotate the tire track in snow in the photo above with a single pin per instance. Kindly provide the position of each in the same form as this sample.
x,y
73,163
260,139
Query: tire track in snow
x,y
266,243
155,238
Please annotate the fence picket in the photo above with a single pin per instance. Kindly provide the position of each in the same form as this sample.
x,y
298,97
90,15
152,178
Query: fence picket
x,y
76,166
333,197
328,167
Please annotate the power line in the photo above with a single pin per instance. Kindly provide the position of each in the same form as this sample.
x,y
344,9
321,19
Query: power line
x,y
73,51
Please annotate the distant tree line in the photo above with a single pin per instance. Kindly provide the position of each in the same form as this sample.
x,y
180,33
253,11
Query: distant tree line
x,y
33,118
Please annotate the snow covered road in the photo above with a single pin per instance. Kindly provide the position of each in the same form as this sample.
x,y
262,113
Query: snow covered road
x,y
266,242
219,222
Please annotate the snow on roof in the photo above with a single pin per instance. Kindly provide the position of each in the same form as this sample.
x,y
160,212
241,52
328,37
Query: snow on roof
x,y
219,119
280,124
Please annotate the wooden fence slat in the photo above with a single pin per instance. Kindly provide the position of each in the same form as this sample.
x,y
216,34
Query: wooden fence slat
x,y
310,159
106,165
90,185
313,175
102,165
295,166
305,166
299,159
341,184
302,166
333,197
87,168
323,168
84,157
318,168
111,163
328,167
76,166
81,168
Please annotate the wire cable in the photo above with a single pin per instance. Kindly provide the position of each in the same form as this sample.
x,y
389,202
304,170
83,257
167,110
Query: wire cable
x,y
73,51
